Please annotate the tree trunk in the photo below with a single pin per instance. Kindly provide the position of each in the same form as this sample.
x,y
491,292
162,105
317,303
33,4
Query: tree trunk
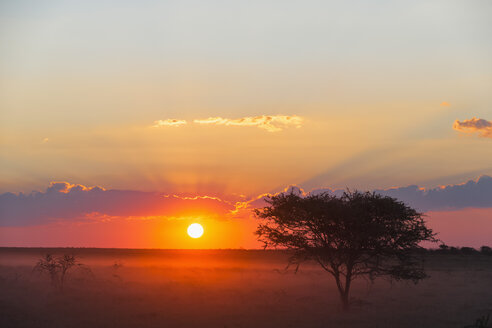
x,y
345,301
62,280
344,290
344,293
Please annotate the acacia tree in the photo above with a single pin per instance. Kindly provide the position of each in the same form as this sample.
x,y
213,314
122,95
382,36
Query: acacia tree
x,y
356,234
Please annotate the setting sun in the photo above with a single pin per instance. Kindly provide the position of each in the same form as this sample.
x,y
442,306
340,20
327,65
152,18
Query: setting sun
x,y
195,230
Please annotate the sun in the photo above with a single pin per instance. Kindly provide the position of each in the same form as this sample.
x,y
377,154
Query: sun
x,y
195,230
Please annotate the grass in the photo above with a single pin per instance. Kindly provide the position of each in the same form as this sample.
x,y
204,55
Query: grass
x,y
233,289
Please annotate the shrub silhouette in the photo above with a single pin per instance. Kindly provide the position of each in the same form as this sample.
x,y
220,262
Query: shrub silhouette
x,y
357,234
482,322
486,250
117,265
468,250
49,264
57,268
443,248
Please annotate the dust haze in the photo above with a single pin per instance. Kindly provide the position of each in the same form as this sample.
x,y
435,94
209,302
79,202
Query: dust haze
x,y
232,288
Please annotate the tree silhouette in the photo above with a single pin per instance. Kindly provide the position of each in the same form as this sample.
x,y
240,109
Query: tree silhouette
x,y
356,234
49,264
66,262
57,268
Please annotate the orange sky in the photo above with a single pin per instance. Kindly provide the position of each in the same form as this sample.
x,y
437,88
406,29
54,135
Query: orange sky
x,y
226,101
79,216
136,233
468,227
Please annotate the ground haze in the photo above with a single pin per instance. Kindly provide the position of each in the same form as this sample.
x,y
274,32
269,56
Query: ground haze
x,y
232,288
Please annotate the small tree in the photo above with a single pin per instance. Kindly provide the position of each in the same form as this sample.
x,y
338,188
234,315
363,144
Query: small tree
x,y
66,262
49,265
56,267
357,234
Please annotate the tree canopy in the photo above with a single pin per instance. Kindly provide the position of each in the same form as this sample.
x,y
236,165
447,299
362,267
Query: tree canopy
x,y
356,234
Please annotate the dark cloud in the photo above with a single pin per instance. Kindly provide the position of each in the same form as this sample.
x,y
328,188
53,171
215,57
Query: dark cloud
x,y
474,193
66,201
62,200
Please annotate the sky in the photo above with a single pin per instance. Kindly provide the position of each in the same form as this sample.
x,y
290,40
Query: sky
x,y
191,110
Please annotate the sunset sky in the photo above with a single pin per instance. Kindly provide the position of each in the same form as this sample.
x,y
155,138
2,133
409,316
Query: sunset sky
x,y
122,122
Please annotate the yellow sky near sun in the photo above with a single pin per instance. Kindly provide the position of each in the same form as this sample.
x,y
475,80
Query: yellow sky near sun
x,y
234,159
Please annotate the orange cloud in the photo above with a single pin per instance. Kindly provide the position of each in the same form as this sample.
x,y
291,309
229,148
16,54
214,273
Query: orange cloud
x,y
478,125
169,122
271,123
65,187
445,104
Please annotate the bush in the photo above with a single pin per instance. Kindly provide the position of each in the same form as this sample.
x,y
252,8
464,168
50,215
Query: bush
x,y
468,250
57,268
482,322
486,250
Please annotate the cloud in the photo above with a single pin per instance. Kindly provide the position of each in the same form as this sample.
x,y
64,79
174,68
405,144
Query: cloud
x,y
65,201
169,122
244,208
445,104
472,194
271,123
481,126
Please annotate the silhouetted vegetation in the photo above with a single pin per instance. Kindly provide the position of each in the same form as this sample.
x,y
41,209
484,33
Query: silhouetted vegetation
x,y
115,268
468,250
57,268
486,250
357,234
482,322
444,249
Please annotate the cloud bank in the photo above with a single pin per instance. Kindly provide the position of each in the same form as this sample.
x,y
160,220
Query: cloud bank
x,y
475,125
66,201
71,202
271,123
472,194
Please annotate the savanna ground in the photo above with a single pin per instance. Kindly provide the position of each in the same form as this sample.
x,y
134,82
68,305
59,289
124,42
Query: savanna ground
x,y
232,288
